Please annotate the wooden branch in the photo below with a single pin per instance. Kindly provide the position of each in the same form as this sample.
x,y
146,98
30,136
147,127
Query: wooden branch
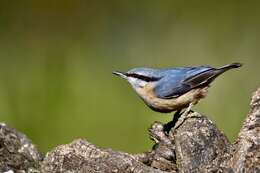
x,y
194,145
81,156
246,154
17,153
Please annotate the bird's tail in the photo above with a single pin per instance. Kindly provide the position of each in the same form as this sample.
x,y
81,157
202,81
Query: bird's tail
x,y
225,68
214,73
208,76
230,66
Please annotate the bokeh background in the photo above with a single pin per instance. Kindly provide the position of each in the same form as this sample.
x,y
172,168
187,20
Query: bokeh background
x,y
56,59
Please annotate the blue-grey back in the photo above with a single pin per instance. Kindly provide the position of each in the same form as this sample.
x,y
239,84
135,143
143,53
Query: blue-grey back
x,y
171,84
168,71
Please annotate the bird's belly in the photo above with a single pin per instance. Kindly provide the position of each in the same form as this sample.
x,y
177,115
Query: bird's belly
x,y
169,105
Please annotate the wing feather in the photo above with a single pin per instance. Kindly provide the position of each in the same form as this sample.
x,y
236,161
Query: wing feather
x,y
177,86
179,81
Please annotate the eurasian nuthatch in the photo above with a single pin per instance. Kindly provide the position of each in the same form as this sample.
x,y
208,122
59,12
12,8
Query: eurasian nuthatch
x,y
172,89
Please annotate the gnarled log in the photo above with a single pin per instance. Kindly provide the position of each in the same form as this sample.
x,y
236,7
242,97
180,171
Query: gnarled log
x,y
193,145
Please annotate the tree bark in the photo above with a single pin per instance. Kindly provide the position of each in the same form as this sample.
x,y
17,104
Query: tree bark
x,y
193,145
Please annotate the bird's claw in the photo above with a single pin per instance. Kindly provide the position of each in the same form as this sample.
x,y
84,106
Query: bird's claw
x,y
167,127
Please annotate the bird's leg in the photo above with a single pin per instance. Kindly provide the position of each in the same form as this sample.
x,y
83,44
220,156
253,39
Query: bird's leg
x,y
183,116
186,112
176,116
167,127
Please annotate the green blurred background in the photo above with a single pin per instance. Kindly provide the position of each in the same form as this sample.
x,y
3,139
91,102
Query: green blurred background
x,y
57,57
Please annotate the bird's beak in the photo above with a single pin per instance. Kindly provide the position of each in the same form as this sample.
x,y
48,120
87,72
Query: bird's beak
x,y
120,74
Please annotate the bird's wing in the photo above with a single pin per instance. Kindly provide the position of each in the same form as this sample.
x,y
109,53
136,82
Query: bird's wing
x,y
181,81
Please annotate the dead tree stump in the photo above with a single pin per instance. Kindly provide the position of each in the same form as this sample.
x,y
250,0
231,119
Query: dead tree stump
x,y
193,145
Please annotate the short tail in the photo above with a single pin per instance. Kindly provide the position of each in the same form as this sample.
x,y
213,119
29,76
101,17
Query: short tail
x,y
218,71
206,77
225,68
230,66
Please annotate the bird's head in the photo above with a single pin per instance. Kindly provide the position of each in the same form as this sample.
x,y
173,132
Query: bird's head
x,y
139,77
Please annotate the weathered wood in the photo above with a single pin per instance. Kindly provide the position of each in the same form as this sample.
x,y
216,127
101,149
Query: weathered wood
x,y
246,154
81,156
17,153
193,145
200,146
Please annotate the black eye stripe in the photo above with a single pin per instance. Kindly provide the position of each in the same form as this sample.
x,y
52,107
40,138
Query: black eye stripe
x,y
142,77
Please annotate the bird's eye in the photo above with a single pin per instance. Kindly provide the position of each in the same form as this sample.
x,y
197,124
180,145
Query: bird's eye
x,y
142,77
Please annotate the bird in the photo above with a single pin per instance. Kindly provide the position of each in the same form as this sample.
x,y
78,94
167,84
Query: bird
x,y
173,89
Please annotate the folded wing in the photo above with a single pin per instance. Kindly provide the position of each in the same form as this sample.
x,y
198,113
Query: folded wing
x,y
182,80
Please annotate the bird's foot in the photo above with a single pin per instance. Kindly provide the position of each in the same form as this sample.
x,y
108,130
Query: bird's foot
x,y
187,111
176,121
183,116
167,127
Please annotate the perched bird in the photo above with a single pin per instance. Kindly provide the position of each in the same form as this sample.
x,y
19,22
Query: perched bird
x,y
173,89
